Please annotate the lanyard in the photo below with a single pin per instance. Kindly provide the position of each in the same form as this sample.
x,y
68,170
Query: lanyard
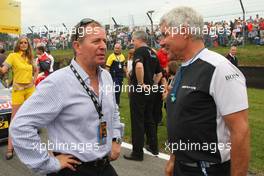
x,y
177,81
97,106
118,59
178,78
203,167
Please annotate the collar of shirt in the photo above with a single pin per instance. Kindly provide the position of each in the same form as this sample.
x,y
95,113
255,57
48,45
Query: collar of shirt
x,y
194,59
231,55
117,55
20,53
82,73
23,58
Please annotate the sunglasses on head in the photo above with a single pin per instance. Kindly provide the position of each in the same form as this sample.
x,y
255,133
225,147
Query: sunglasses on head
x,y
82,23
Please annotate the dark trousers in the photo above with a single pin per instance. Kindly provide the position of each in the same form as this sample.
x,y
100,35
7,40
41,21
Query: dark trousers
x,y
157,117
141,113
118,88
84,170
152,136
157,107
214,170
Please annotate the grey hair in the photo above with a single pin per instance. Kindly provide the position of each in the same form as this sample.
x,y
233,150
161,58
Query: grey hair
x,y
185,16
142,35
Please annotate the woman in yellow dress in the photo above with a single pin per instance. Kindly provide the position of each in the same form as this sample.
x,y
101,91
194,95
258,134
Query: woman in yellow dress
x,y
23,67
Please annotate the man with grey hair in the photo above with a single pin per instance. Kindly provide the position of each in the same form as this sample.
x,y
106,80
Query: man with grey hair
x,y
207,106
146,74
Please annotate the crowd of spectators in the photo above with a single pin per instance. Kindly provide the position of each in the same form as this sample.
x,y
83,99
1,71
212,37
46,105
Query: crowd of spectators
x,y
221,33
233,32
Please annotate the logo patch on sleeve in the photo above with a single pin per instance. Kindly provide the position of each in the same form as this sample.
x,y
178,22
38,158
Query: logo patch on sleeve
x,y
230,77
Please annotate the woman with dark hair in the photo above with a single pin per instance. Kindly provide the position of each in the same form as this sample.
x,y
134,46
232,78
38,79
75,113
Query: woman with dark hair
x,y
23,67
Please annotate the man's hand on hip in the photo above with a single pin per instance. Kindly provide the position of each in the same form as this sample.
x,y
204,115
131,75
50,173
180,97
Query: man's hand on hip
x,y
68,161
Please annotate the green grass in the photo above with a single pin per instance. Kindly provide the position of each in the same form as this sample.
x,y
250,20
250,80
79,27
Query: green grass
x,y
256,121
249,55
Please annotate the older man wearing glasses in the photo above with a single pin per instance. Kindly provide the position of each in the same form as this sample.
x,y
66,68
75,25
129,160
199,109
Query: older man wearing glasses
x,y
81,117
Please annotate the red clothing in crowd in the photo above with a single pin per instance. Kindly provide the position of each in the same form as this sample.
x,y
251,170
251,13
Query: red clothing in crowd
x,y
261,25
250,27
41,77
163,58
44,57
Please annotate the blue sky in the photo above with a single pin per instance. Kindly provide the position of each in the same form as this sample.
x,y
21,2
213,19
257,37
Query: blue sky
x,y
50,12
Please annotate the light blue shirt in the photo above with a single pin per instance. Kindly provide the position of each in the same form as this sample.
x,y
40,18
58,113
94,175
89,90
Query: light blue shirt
x,y
62,105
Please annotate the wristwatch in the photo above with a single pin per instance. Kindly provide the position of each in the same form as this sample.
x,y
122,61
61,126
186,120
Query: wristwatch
x,y
117,140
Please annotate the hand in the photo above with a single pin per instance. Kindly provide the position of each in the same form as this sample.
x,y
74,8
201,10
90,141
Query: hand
x,y
169,168
169,88
67,161
115,152
127,75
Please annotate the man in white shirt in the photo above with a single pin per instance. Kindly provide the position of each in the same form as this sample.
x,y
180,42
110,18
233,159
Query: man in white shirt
x,y
207,107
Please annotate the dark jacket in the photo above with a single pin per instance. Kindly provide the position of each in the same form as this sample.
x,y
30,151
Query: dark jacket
x,y
233,60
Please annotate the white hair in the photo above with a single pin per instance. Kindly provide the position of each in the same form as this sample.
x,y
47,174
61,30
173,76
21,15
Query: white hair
x,y
185,16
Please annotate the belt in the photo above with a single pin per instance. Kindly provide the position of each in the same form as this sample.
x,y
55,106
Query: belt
x,y
101,162
207,164
20,87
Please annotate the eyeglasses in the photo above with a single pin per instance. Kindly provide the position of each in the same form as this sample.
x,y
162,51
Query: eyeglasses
x,y
82,23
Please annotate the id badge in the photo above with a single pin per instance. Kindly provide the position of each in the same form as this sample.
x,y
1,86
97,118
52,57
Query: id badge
x,y
120,66
102,133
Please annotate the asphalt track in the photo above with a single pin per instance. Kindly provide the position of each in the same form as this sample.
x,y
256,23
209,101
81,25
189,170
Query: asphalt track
x,y
151,166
